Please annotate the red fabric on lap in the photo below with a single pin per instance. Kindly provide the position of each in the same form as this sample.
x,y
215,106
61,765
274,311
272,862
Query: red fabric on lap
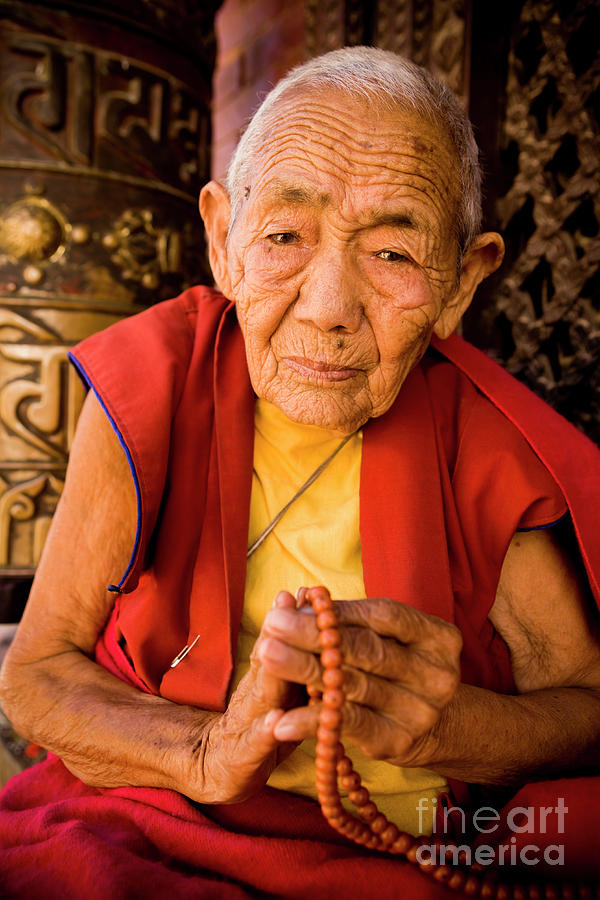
x,y
139,842
142,842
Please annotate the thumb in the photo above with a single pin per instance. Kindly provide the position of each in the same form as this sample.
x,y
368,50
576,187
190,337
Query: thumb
x,y
259,738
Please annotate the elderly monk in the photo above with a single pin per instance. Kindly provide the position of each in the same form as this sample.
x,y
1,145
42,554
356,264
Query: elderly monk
x,y
316,411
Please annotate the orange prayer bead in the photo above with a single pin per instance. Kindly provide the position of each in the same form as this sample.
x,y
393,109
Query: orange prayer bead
x,y
320,603
457,880
344,766
330,638
403,843
379,824
327,736
374,831
330,718
368,812
333,678
442,873
360,798
326,752
331,658
327,619
333,698
350,782
504,892
389,834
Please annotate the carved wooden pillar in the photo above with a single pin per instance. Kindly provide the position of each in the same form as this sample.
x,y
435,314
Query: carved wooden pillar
x,y
104,143
541,143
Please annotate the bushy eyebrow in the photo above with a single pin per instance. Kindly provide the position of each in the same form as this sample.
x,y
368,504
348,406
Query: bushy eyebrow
x,y
376,218
298,195
306,195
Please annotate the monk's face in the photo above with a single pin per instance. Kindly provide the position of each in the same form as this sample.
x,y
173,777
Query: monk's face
x,y
342,259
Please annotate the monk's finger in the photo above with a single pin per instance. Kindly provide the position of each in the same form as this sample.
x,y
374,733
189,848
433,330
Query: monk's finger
x,y
233,765
375,667
281,660
282,600
298,724
390,618
377,735
432,684
261,690
404,624
385,619
434,674
294,626
421,698
386,736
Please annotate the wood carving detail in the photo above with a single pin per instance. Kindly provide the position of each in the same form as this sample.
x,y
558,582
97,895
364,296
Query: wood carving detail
x,y
325,26
40,400
26,509
142,249
432,32
40,396
88,108
104,143
393,29
548,309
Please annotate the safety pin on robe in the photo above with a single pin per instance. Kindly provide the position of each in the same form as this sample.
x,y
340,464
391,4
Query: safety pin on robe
x,y
183,653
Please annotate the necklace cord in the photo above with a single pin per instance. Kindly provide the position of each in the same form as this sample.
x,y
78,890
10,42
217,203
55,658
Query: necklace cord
x,y
310,480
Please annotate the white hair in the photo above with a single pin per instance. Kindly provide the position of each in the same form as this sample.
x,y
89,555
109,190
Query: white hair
x,y
394,83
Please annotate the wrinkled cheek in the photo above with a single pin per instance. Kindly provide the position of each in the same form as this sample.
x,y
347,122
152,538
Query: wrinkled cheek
x,y
266,271
404,330
260,309
262,364
384,384
400,351
416,292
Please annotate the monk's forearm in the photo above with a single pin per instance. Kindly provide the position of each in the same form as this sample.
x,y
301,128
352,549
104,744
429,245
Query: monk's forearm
x,y
107,733
488,738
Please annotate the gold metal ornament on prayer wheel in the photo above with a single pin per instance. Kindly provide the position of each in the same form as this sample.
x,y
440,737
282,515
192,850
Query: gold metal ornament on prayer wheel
x,y
104,144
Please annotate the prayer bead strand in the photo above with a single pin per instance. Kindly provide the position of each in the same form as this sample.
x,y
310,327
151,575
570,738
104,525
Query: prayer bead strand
x,y
372,829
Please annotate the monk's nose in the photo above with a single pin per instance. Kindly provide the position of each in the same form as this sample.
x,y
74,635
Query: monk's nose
x,y
330,298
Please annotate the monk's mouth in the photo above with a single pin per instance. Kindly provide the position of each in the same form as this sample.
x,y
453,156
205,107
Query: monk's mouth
x,y
320,371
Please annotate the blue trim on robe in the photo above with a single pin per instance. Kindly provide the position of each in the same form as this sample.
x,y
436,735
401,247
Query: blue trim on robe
x,y
138,495
563,518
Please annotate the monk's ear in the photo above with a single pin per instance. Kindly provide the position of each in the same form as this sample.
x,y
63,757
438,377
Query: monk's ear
x,y
215,210
481,259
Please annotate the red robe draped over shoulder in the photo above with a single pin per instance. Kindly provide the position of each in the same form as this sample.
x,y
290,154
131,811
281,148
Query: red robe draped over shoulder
x,y
465,457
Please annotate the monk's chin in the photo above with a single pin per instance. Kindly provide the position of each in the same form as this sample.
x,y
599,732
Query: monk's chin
x,y
338,411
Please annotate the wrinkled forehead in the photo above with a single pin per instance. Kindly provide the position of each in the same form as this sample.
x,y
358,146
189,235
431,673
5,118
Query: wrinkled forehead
x,y
334,143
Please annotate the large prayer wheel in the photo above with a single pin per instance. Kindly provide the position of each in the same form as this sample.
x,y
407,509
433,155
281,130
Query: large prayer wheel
x,y
104,143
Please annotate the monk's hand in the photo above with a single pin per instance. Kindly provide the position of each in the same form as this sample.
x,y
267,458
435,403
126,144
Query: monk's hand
x,y
401,671
237,750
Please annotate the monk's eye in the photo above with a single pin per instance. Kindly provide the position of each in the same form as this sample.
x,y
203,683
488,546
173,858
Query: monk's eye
x,y
283,237
391,256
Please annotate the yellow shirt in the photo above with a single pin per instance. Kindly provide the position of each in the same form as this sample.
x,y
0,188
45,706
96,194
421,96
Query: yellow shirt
x,y
316,542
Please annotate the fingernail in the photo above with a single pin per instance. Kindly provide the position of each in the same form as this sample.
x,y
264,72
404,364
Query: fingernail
x,y
285,731
272,717
282,599
279,619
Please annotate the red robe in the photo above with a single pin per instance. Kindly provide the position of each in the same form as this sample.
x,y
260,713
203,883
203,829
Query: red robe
x,y
445,482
